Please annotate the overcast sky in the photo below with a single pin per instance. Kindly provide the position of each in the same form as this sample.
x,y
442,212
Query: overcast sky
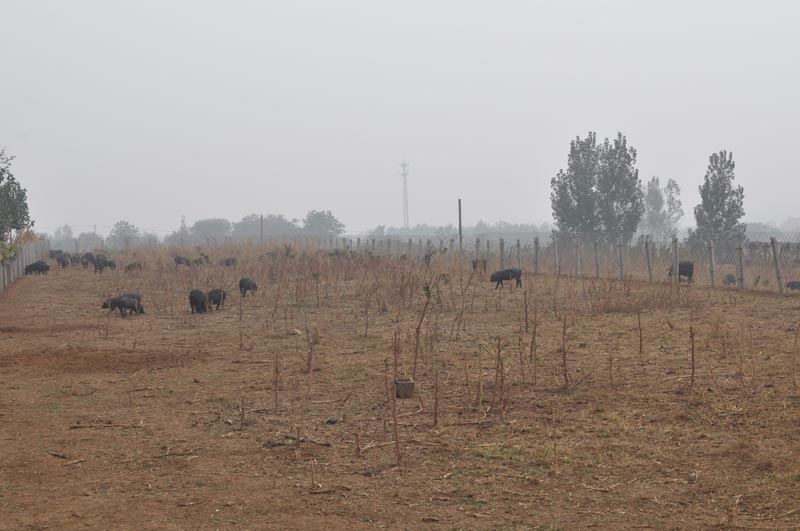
x,y
146,111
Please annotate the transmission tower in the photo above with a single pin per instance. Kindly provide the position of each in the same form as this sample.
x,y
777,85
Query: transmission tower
x,y
404,174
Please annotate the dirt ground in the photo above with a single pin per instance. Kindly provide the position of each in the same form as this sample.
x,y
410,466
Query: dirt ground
x,y
172,421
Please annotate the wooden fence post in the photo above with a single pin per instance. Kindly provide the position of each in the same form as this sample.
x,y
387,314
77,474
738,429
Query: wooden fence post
x,y
596,259
555,255
621,267
519,256
460,233
741,266
477,251
502,253
535,255
649,262
712,263
778,275
577,256
675,271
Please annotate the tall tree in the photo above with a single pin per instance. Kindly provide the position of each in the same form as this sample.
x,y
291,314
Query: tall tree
x,y
322,224
599,195
212,230
620,201
662,208
573,196
124,234
721,203
89,241
14,213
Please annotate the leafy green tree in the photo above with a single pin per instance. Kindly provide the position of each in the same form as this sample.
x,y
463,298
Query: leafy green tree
x,y
249,228
620,201
599,195
123,235
322,224
89,241
721,203
63,239
574,192
14,213
181,236
662,208
213,230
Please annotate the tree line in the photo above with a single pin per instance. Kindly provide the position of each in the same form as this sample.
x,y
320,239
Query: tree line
x,y
316,224
599,196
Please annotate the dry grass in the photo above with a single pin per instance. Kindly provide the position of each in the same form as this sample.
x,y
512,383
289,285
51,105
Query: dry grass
x,y
234,420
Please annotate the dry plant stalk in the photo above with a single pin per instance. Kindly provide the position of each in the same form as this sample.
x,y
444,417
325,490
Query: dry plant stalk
x,y
794,359
641,343
479,397
436,398
564,368
276,378
428,293
691,339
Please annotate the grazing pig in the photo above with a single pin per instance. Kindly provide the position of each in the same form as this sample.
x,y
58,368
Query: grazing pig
x,y
729,280
37,268
100,263
228,262
123,303
74,259
685,269
138,298
179,260
112,265
793,284
133,267
198,301
217,298
247,284
506,274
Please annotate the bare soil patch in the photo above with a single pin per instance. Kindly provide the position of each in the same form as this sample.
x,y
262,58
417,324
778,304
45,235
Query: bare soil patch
x,y
172,421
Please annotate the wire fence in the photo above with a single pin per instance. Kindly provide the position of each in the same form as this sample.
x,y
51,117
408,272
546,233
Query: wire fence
x,y
763,262
27,254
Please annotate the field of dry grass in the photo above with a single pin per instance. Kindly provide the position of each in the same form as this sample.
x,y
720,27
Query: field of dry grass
x,y
565,404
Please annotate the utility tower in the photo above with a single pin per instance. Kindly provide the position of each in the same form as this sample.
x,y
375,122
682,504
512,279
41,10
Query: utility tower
x,y
404,174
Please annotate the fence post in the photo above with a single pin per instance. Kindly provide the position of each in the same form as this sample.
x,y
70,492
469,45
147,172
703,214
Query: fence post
x,y
477,251
649,262
502,253
577,256
556,267
453,244
596,259
410,243
675,271
778,275
712,264
535,255
621,268
741,266
519,256
388,247
460,234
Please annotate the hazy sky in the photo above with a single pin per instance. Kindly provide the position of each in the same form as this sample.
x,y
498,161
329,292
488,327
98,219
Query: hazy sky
x,y
147,111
